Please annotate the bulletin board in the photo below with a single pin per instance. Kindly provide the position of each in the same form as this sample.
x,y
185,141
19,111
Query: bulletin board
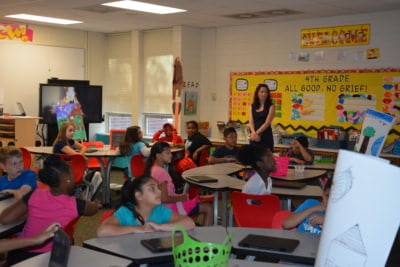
x,y
307,101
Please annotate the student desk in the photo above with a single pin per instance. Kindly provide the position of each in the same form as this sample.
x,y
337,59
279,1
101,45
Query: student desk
x,y
246,263
129,247
12,228
305,252
306,175
319,166
228,183
78,256
101,153
225,182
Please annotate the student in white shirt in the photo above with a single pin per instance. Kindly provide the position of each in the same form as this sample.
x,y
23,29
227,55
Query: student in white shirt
x,y
263,163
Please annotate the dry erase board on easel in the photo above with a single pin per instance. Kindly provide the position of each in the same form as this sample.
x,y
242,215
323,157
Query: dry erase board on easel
x,y
116,137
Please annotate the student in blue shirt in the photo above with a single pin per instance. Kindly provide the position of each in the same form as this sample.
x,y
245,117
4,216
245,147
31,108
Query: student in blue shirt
x,y
141,211
16,180
227,152
133,144
309,216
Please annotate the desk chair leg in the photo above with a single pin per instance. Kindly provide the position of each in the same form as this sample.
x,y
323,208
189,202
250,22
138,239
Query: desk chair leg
x,y
216,208
230,217
186,188
224,207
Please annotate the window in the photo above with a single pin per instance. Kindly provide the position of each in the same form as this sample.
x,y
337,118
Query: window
x,y
118,121
154,122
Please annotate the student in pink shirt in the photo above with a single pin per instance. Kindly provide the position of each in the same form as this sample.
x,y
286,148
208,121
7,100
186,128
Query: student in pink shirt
x,y
157,166
41,207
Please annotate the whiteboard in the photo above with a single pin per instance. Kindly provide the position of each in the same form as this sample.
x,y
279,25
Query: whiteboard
x,y
24,66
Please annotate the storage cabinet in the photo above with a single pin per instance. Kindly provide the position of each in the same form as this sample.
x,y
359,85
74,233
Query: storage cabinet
x,y
18,130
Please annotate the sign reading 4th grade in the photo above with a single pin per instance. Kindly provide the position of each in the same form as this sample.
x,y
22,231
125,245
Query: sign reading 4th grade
x,y
319,97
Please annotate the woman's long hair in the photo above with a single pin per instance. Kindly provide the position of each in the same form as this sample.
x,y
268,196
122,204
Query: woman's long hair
x,y
256,99
128,198
131,137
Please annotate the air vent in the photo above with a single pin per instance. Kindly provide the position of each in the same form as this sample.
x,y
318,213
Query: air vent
x,y
99,9
264,14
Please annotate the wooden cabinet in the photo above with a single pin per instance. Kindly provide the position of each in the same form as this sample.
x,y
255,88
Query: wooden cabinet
x,y
18,130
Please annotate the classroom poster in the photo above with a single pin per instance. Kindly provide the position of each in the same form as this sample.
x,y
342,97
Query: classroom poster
x,y
375,128
308,100
190,103
362,216
72,112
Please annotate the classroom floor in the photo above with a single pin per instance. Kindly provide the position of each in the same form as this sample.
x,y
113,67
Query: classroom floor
x,y
87,225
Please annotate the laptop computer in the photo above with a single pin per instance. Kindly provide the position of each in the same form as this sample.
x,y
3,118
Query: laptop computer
x,y
161,244
288,184
269,243
202,179
60,249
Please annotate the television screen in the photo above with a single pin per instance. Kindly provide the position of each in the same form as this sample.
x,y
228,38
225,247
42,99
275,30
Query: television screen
x,y
90,98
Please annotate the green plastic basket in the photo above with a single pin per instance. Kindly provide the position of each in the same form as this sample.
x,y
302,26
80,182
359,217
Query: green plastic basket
x,y
194,253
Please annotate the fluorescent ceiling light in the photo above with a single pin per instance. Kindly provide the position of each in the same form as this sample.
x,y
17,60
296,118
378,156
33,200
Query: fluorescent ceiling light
x,y
43,19
144,7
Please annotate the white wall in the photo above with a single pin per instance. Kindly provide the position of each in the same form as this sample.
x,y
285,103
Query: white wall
x,y
265,47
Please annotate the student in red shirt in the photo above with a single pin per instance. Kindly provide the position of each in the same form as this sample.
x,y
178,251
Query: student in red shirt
x,y
167,134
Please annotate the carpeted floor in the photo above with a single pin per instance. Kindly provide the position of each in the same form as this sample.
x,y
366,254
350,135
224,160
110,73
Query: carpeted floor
x,y
87,226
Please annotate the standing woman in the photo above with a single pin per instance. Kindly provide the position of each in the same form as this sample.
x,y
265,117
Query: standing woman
x,y
262,112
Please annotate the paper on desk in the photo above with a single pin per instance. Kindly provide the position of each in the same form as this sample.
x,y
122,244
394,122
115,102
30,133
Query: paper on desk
x,y
362,216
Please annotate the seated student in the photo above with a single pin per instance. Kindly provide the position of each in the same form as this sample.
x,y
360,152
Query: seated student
x,y
309,216
161,156
299,152
263,162
16,243
194,145
227,152
133,144
169,135
16,180
141,211
42,207
65,144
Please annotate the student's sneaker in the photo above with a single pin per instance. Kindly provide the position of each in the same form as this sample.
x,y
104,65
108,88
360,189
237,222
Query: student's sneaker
x,y
93,186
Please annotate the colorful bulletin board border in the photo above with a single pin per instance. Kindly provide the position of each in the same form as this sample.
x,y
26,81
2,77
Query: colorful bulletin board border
x,y
14,31
347,35
313,99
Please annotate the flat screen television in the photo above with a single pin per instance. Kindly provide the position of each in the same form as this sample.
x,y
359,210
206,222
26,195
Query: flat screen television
x,y
90,97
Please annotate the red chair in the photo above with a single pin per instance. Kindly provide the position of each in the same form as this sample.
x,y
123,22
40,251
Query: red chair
x,y
26,157
106,214
254,210
279,218
70,228
204,155
78,164
194,191
137,165
92,162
